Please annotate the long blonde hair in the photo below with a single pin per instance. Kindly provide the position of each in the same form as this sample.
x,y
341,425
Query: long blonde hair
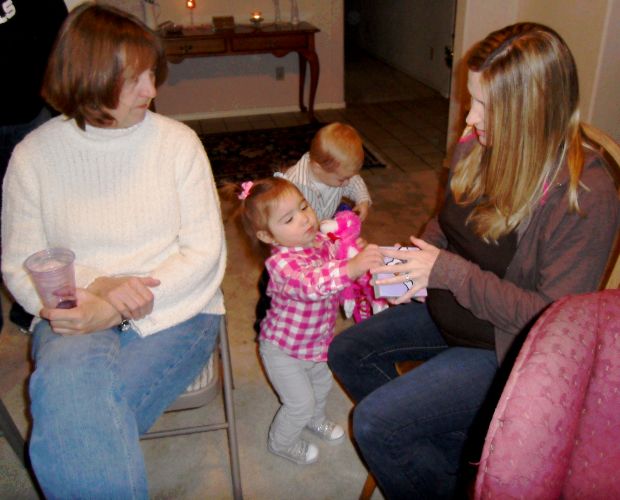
x,y
532,125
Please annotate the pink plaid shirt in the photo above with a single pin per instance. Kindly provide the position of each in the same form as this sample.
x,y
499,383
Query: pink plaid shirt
x,y
304,285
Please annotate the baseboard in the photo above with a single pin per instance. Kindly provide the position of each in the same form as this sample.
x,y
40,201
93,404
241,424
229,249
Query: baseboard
x,y
251,112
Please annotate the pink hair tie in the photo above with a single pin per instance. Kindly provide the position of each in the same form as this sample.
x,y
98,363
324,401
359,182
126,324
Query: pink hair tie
x,y
245,189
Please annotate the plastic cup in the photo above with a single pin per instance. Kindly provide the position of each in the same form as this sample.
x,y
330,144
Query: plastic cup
x,y
54,277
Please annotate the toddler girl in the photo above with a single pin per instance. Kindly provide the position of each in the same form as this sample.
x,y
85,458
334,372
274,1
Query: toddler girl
x,y
327,175
299,326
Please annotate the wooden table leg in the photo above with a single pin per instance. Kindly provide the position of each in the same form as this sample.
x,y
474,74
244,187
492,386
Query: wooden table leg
x,y
311,57
369,488
302,80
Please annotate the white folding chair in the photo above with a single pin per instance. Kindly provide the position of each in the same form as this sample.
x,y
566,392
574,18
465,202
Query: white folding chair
x,y
202,391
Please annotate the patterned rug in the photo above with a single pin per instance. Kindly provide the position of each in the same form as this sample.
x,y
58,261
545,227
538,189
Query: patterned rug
x,y
252,154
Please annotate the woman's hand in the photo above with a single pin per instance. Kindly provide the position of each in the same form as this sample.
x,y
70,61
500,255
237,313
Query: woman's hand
x,y
130,295
369,257
416,268
360,243
90,315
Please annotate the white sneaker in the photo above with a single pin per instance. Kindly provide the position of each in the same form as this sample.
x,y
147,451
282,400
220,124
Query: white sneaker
x,y
327,431
302,452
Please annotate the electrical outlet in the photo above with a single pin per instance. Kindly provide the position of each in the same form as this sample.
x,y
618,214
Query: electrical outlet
x,y
280,73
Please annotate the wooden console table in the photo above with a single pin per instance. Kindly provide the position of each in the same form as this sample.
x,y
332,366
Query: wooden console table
x,y
242,40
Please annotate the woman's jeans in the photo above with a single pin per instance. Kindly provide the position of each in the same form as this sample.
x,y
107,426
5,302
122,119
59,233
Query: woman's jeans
x,y
93,395
411,429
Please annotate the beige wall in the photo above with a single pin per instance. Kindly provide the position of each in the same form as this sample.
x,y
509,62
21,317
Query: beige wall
x,y
588,30
246,84
605,107
580,24
474,20
226,86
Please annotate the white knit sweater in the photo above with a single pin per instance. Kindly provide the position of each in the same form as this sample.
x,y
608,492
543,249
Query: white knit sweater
x,y
138,201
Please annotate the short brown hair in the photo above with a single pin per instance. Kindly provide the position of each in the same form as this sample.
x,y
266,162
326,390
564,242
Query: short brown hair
x,y
336,144
95,49
260,201
252,205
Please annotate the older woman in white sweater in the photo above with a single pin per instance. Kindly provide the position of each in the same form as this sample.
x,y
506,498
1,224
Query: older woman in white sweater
x,y
132,194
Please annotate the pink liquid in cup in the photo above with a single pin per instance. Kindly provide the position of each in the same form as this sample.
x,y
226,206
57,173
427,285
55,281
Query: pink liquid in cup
x,y
53,276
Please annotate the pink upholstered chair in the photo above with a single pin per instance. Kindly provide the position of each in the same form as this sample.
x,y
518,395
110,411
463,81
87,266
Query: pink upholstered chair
x,y
556,430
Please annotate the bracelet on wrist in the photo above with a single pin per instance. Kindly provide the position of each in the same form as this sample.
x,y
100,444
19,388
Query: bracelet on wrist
x,y
124,325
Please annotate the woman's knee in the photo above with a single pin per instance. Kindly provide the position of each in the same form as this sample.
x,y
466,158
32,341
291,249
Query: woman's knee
x,y
342,351
63,362
50,347
367,426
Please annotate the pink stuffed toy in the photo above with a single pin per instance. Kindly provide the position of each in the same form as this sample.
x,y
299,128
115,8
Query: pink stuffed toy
x,y
358,300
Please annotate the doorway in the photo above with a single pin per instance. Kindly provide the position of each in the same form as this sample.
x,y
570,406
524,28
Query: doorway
x,y
400,52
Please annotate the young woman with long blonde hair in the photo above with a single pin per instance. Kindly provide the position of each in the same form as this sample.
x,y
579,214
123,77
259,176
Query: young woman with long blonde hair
x,y
530,216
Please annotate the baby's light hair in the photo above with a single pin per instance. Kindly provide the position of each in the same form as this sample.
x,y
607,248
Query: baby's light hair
x,y
337,144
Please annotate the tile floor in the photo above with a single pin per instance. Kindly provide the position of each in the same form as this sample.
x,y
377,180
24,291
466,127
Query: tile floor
x,y
408,132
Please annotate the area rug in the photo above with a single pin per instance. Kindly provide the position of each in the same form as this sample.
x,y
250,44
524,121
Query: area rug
x,y
252,154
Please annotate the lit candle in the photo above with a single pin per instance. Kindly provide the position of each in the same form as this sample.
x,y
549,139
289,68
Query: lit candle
x,y
190,4
257,16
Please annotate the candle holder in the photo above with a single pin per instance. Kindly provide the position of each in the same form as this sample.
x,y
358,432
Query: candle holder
x,y
294,13
150,14
277,19
256,18
191,5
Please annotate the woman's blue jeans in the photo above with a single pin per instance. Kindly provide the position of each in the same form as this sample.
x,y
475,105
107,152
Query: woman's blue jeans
x,y
411,429
93,395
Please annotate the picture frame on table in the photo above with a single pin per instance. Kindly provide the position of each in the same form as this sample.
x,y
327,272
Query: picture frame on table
x,y
222,23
